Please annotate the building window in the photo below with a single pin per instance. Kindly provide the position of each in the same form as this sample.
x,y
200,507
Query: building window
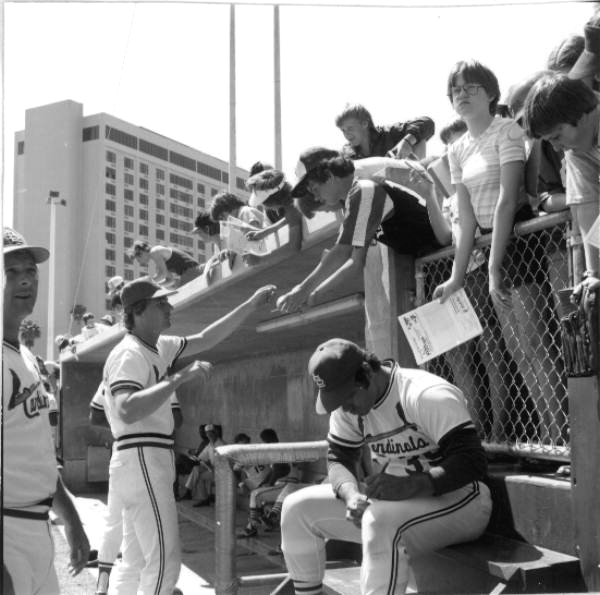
x,y
160,174
128,226
213,191
182,160
109,254
240,183
110,271
91,133
143,215
110,189
183,211
144,184
201,245
128,275
144,230
110,205
128,242
201,202
208,170
128,162
160,204
200,188
182,240
128,194
110,222
111,238
154,150
181,181
21,147
225,177
160,234
143,199
111,173
160,219
111,157
129,179
128,210
160,189
144,169
121,137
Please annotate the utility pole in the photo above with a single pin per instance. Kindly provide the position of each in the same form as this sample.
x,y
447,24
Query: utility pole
x,y
232,102
277,86
53,200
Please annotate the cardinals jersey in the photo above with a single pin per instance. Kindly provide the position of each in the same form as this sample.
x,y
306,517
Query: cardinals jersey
x,y
29,466
135,365
405,425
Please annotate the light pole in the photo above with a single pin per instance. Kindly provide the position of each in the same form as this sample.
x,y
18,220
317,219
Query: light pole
x,y
53,200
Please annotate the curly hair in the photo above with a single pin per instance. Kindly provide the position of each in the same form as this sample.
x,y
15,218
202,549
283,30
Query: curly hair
x,y
224,203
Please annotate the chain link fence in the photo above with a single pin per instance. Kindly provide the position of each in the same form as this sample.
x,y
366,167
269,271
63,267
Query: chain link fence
x,y
513,374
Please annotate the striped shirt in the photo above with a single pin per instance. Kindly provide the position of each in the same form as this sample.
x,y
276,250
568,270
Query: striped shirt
x,y
476,163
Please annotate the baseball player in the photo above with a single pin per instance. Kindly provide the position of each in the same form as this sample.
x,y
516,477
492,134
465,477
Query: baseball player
x,y
110,546
429,493
31,484
142,467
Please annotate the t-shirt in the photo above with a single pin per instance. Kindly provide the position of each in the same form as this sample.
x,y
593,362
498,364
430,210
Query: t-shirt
x,y
476,163
29,472
406,423
135,365
583,173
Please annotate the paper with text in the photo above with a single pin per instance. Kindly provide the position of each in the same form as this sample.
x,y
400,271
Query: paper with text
x,y
434,328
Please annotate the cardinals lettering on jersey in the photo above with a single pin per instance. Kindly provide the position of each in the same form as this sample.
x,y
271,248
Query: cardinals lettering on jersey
x,y
31,406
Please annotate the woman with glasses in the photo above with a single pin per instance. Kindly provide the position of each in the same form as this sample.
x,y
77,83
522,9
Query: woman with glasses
x,y
487,168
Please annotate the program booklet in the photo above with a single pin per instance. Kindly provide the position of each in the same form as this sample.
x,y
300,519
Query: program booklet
x,y
434,328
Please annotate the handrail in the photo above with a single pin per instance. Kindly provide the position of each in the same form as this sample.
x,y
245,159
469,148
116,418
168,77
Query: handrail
x,y
226,580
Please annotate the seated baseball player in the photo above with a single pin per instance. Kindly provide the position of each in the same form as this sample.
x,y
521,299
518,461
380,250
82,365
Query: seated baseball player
x,y
429,493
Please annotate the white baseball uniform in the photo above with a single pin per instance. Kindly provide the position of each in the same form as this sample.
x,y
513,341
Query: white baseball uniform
x,y
29,477
404,428
142,469
112,535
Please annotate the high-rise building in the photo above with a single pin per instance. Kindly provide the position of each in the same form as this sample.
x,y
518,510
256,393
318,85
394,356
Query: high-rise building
x,y
120,182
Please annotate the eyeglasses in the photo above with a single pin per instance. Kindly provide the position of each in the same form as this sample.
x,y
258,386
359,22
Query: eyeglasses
x,y
470,89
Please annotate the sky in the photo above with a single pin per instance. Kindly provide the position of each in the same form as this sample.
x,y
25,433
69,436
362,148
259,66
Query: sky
x,y
165,65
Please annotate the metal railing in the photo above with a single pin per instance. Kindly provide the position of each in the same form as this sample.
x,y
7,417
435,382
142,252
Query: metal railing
x,y
226,580
513,374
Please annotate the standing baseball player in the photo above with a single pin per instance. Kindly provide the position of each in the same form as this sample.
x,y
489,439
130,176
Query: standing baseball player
x,y
142,467
31,484
112,536
429,493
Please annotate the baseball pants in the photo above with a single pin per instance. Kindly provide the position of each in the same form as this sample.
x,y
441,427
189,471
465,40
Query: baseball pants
x,y
142,479
390,534
28,556
112,537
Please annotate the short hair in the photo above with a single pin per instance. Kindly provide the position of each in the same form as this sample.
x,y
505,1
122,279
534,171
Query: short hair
x,y
269,435
454,127
259,166
563,57
87,316
133,310
356,110
204,222
241,438
337,166
475,72
224,202
556,99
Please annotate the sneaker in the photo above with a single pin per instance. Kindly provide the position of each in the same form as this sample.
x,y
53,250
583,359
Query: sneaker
x,y
248,531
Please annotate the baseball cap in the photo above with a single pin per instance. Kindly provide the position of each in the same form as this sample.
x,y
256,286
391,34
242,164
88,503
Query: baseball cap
x,y
333,367
115,283
142,289
13,241
588,62
308,161
264,185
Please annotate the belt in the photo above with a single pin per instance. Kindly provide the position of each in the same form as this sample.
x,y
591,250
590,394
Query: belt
x,y
152,439
30,514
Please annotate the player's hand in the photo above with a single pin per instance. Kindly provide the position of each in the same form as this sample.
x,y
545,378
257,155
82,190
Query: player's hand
x,y
499,291
197,369
401,151
293,300
263,295
447,288
383,486
79,547
355,507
